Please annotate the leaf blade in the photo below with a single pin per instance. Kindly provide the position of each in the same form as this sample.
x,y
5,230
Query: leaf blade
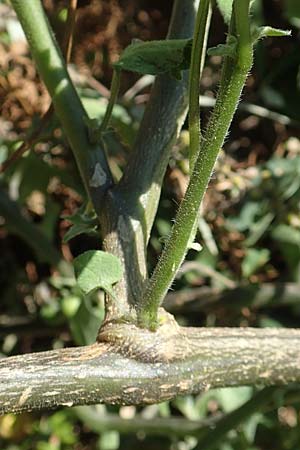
x,y
95,269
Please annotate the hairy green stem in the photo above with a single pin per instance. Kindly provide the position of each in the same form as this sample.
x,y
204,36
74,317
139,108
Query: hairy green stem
x,y
114,91
201,31
241,16
197,63
233,78
90,158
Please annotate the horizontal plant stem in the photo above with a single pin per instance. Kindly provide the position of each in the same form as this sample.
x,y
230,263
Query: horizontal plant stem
x,y
233,78
208,430
158,426
67,104
157,368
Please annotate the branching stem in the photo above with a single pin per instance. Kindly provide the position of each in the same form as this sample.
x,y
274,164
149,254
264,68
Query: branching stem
x,y
233,78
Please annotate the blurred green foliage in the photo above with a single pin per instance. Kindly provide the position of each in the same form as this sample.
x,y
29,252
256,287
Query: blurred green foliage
x,y
249,230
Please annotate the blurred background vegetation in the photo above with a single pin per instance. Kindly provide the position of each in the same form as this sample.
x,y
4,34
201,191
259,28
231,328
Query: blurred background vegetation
x,y
247,273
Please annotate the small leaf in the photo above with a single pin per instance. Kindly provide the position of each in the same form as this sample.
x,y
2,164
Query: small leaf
x,y
232,398
228,49
246,218
258,228
84,324
225,6
266,31
286,234
76,230
95,269
157,57
84,221
254,259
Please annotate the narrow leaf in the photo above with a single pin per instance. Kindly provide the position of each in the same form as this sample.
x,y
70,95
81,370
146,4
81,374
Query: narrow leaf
x,y
266,31
254,259
225,6
76,230
83,221
156,57
228,49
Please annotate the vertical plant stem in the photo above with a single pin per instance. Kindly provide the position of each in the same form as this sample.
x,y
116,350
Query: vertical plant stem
x,y
114,91
233,78
197,63
90,157
130,208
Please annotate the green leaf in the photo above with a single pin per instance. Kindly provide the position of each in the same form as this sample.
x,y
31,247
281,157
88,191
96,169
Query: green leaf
x,y
258,228
286,234
76,230
187,406
109,440
95,269
228,49
266,31
85,323
84,221
254,259
225,6
246,218
157,57
232,398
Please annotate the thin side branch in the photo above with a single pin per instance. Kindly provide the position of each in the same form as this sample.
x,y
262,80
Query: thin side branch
x,y
34,137
90,158
203,429
233,78
151,368
253,296
69,33
30,142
